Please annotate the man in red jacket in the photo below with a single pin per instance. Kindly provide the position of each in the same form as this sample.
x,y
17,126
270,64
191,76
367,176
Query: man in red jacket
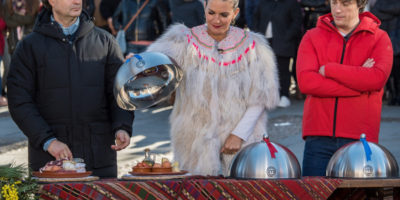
x,y
343,65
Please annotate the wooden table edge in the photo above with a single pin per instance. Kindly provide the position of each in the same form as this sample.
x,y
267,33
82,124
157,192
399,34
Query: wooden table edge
x,y
364,183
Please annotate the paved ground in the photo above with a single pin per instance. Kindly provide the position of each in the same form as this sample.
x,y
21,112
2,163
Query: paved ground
x,y
151,131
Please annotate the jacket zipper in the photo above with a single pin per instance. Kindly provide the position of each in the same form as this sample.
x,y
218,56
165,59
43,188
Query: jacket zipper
x,y
337,98
69,49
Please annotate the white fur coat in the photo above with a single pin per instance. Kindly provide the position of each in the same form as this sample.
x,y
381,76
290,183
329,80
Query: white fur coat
x,y
216,89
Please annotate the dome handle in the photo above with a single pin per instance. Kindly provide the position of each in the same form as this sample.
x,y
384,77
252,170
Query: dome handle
x,y
140,62
367,149
271,147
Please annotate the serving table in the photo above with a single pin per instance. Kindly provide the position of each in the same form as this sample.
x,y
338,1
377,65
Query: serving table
x,y
201,187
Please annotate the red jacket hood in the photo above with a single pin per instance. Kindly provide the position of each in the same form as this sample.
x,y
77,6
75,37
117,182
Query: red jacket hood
x,y
368,22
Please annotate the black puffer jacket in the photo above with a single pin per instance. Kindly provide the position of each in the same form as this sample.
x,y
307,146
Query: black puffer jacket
x,y
63,90
388,11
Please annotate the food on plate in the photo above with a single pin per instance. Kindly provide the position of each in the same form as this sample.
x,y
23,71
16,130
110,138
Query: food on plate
x,y
64,165
161,168
148,165
68,165
164,166
165,163
157,165
175,167
142,167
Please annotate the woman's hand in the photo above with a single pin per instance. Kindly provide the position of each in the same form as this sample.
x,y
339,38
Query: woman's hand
x,y
129,55
232,144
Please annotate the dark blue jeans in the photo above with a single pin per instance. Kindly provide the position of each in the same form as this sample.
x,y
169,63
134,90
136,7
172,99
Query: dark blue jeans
x,y
318,150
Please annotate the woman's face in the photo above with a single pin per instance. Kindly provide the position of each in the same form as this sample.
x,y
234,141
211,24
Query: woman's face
x,y
219,15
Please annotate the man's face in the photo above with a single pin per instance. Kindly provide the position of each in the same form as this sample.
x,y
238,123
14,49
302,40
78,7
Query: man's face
x,y
345,13
66,8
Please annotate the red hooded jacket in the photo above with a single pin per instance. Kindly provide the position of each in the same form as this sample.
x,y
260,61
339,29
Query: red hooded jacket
x,y
348,100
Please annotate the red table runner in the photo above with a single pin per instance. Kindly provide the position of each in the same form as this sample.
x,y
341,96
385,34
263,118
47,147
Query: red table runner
x,y
194,188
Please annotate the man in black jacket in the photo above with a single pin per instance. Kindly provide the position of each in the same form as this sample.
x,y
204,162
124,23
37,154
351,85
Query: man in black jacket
x,y
388,11
61,90
280,22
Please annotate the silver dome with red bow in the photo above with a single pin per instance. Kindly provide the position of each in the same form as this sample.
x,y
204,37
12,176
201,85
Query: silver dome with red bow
x,y
266,160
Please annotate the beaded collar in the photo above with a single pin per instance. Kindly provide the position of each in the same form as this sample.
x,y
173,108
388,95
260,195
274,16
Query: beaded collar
x,y
199,38
232,41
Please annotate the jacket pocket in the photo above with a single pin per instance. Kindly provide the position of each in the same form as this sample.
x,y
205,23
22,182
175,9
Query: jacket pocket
x,y
102,139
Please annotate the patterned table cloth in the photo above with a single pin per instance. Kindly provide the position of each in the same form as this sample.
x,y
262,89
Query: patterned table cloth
x,y
194,188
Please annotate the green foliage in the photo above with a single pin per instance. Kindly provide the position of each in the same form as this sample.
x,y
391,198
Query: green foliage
x,y
16,183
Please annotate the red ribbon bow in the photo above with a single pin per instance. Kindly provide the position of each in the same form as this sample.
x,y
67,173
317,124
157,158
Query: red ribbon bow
x,y
271,147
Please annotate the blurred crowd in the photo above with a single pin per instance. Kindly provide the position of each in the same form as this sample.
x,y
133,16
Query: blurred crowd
x,y
283,22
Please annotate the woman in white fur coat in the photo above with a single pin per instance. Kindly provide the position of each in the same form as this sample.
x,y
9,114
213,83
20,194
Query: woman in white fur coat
x,y
230,80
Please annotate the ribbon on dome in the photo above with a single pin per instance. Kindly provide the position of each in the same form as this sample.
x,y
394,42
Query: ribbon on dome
x,y
271,147
367,149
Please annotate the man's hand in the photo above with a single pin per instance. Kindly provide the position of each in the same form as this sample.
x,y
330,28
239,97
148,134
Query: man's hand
x,y
122,140
322,70
232,144
59,150
370,62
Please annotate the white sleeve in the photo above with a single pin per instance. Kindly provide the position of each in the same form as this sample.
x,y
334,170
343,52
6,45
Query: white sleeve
x,y
246,125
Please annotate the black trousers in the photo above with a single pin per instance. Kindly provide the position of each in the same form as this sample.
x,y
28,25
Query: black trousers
x,y
393,84
284,75
105,172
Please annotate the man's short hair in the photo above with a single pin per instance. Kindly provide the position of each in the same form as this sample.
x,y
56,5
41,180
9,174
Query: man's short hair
x,y
360,3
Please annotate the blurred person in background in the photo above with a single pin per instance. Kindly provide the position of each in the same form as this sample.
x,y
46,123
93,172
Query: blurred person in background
x,y
369,5
312,10
107,9
3,26
61,90
388,11
241,18
280,22
147,26
89,6
99,21
250,7
188,12
342,66
19,16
